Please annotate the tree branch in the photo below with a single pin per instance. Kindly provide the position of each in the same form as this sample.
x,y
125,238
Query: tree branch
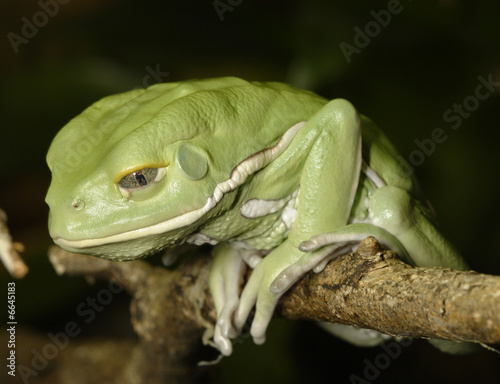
x,y
370,288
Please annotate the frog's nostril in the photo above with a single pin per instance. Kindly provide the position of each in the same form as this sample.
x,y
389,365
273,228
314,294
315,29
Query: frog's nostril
x,y
78,204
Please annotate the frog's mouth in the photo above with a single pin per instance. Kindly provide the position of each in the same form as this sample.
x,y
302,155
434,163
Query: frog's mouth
x,y
239,174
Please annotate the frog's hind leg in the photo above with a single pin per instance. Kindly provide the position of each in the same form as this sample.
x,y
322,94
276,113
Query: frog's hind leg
x,y
399,221
226,274
411,222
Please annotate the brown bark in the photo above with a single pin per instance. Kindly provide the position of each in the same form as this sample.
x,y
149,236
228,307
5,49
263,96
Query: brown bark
x,y
370,288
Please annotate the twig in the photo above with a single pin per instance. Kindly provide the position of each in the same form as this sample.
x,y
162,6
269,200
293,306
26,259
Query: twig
x,y
9,251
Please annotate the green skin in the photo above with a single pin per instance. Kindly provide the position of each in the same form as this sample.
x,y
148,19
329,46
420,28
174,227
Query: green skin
x,y
259,169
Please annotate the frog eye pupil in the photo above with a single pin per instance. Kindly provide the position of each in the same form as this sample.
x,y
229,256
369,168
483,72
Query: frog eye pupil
x,y
140,178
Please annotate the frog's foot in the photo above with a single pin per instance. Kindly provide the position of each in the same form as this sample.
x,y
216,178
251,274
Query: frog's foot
x,y
225,280
321,249
257,291
314,260
275,274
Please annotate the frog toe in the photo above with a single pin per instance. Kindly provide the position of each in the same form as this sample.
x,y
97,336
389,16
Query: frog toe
x,y
264,311
315,260
223,344
247,301
224,320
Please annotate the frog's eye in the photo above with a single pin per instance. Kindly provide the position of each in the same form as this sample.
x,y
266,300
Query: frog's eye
x,y
140,179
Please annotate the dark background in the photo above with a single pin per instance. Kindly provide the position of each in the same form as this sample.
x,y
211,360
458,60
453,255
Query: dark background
x,y
424,60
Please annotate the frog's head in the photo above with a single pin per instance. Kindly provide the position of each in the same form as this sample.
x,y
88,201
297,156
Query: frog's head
x,y
142,170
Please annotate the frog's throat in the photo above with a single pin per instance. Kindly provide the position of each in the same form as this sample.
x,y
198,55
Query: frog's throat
x,y
239,174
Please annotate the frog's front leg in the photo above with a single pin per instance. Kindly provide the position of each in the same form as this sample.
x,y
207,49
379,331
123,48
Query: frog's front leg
x,y
328,183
